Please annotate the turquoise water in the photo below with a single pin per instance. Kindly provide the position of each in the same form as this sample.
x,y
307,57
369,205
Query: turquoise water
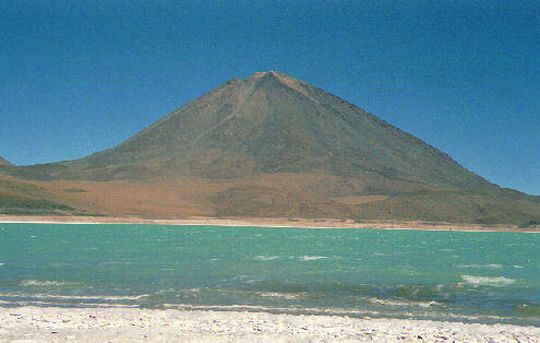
x,y
466,276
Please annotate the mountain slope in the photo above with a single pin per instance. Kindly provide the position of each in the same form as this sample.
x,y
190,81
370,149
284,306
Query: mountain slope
x,y
19,197
4,162
248,138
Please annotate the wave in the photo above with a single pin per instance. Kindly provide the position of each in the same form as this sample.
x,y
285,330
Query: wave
x,y
392,302
74,297
2,264
481,266
49,303
529,310
46,283
265,258
333,311
287,296
115,263
487,280
246,279
271,309
312,258
196,290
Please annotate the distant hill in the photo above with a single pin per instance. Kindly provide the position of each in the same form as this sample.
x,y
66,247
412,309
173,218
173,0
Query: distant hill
x,y
271,145
4,162
19,197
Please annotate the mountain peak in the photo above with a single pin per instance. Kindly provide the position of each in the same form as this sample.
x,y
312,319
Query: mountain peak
x,y
275,74
259,74
281,78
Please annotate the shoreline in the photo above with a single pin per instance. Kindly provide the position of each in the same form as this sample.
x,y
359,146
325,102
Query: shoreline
x,y
130,324
268,223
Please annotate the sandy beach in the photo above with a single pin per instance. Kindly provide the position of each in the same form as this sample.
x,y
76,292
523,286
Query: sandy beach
x,y
269,222
35,324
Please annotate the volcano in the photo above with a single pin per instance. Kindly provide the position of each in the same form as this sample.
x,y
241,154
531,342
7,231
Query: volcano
x,y
270,123
271,145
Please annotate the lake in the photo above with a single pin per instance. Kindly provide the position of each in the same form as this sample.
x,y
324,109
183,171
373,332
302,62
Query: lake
x,y
463,276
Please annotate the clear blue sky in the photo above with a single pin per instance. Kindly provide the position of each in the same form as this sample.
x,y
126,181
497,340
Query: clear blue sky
x,y
78,77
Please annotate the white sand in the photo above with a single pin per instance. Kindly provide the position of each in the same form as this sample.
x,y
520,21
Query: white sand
x,y
322,223
30,324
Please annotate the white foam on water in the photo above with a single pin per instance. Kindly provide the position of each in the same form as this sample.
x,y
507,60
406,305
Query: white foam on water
x,y
291,310
312,258
265,258
46,283
48,303
481,266
196,290
319,311
497,281
246,279
2,264
391,302
287,296
517,266
115,263
74,297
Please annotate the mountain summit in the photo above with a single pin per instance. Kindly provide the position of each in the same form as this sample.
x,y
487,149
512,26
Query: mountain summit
x,y
271,145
